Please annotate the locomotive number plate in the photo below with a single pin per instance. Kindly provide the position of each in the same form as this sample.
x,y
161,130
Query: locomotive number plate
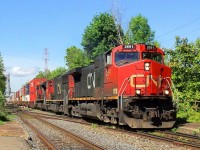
x,y
129,46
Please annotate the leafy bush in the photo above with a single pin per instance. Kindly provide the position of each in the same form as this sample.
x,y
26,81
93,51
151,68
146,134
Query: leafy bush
x,y
3,114
184,61
185,110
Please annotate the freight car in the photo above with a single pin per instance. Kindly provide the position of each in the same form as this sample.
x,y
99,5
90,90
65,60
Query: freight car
x,y
128,85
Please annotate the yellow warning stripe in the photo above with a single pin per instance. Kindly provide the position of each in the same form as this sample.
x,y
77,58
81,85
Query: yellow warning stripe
x,y
54,100
92,98
84,98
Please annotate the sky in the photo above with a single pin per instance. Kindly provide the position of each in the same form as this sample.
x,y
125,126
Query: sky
x,y
27,27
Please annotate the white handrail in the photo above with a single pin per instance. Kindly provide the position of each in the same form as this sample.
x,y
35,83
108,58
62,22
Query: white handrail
x,y
173,88
123,84
123,90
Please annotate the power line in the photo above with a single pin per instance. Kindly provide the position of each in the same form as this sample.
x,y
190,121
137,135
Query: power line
x,y
182,35
188,33
178,28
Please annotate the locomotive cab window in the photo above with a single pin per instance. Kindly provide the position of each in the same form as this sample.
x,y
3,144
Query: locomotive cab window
x,y
153,56
122,58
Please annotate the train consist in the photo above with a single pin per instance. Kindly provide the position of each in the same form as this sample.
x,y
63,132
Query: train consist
x,y
128,85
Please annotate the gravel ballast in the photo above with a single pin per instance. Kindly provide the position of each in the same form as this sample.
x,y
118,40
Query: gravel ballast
x,y
113,139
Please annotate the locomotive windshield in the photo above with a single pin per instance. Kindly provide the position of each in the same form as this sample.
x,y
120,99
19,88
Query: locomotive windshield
x,y
122,58
154,56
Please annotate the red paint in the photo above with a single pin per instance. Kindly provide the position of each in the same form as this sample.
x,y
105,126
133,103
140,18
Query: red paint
x,y
33,83
23,91
120,77
49,89
71,86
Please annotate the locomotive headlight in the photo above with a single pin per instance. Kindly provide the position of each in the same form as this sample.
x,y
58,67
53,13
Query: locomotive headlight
x,y
147,66
138,92
166,92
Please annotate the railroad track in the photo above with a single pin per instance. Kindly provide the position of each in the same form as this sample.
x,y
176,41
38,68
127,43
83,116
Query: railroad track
x,y
43,139
184,140
81,140
180,138
60,117
176,139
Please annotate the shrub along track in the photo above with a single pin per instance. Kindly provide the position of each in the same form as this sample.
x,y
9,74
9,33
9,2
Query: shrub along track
x,y
185,140
50,143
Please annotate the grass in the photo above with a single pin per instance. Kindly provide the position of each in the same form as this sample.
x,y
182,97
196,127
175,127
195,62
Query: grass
x,y
11,117
196,132
6,119
6,116
94,125
1,122
174,130
190,115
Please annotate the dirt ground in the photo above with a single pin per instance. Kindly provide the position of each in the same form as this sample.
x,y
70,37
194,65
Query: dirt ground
x,y
13,143
190,128
13,137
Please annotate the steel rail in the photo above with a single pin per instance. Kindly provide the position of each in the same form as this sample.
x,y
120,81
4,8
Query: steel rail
x,y
85,142
48,116
44,140
170,140
155,137
159,138
182,134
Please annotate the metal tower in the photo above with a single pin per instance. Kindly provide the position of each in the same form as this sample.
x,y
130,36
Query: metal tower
x,y
46,59
8,89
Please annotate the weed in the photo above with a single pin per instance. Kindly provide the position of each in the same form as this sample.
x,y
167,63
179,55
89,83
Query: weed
x,y
1,122
11,117
190,115
94,125
174,130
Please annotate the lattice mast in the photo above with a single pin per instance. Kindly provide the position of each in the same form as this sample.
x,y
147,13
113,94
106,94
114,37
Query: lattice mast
x,y
46,59
8,89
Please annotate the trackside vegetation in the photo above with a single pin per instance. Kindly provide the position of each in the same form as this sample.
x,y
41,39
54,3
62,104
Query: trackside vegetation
x,y
184,60
3,114
51,74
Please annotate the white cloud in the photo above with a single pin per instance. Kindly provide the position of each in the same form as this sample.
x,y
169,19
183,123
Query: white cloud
x,y
21,72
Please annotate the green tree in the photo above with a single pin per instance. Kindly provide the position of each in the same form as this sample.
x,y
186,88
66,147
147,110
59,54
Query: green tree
x,y
3,114
41,74
2,76
44,74
58,71
139,31
75,58
101,35
185,61
51,74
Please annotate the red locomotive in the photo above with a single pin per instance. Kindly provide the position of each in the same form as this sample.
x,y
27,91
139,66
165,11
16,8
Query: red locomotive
x,y
128,85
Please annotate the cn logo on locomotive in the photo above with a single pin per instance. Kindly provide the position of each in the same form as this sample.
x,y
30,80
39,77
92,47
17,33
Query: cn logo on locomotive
x,y
132,81
90,80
